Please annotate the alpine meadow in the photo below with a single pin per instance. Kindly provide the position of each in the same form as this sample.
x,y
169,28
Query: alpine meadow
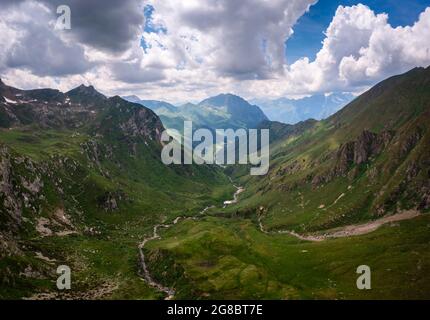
x,y
214,150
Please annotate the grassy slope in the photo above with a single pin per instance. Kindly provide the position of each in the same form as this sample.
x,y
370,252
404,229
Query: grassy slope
x,y
400,104
155,194
230,258
227,257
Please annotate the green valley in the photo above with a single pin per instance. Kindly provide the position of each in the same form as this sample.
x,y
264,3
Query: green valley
x,y
368,161
82,185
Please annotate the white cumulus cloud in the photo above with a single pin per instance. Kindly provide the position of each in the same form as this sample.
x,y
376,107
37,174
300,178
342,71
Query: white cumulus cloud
x,y
198,48
361,48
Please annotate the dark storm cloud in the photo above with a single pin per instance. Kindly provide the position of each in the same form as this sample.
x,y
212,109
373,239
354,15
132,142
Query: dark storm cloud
x,y
104,24
46,55
132,73
6,3
34,45
107,25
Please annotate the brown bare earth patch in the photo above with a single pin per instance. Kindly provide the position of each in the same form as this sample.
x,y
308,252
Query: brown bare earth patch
x,y
356,230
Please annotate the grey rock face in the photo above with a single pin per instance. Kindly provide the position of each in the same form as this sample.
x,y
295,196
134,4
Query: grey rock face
x,y
360,151
11,203
367,145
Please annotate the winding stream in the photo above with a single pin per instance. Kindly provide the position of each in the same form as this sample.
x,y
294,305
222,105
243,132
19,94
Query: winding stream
x,y
347,231
144,268
235,197
145,274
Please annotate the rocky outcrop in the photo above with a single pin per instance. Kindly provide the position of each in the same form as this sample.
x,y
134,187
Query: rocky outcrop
x,y
425,198
357,152
59,224
12,204
345,157
81,107
21,189
140,122
110,201
86,95
410,142
292,168
8,247
97,152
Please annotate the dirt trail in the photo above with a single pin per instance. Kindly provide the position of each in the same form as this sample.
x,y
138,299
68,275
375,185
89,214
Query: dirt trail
x,y
349,231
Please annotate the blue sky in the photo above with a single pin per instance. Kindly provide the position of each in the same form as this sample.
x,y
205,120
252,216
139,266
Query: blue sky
x,y
309,30
190,50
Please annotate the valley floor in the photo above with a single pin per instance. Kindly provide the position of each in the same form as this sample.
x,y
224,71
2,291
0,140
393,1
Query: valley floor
x,y
211,256
231,258
344,232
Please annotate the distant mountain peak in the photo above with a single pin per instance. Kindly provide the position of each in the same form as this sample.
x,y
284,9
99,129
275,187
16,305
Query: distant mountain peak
x,y
223,99
117,98
291,111
241,112
85,90
85,94
132,98
228,95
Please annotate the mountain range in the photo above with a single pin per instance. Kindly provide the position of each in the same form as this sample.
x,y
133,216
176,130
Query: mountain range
x,y
224,111
377,146
292,111
81,180
231,111
82,185
347,191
